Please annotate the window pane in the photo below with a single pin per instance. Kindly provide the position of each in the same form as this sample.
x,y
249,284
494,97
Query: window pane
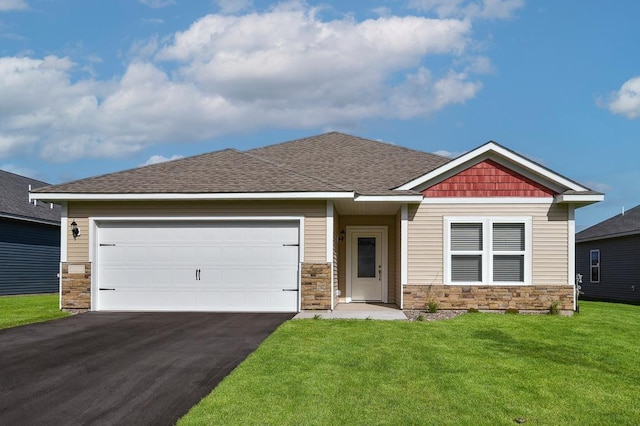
x,y
508,268
366,257
595,257
508,236
466,268
595,274
466,236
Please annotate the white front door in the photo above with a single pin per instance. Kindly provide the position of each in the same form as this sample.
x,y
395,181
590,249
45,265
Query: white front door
x,y
367,264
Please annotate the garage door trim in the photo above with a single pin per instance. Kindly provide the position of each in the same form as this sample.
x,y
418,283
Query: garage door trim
x,y
95,222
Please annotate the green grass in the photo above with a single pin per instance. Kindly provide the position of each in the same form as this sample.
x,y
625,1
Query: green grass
x,y
475,369
20,310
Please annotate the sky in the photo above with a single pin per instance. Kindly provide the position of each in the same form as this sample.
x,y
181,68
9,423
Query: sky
x,y
89,87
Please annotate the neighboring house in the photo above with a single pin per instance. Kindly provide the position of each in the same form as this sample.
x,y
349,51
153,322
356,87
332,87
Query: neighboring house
x,y
608,257
314,222
29,239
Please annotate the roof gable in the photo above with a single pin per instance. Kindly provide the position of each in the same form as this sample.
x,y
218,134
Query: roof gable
x,y
488,178
499,154
623,224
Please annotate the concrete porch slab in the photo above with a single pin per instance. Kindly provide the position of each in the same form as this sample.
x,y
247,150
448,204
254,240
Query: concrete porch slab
x,y
374,311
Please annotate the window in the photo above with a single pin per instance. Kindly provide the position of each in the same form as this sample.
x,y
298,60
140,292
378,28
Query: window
x,y
594,262
488,250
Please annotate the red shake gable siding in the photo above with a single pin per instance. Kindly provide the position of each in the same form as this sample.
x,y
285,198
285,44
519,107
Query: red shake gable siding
x,y
488,179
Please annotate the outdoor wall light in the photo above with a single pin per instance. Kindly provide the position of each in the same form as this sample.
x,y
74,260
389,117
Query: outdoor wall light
x,y
75,231
341,236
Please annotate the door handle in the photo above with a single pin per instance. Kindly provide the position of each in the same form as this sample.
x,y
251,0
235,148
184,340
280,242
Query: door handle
x,y
198,274
380,272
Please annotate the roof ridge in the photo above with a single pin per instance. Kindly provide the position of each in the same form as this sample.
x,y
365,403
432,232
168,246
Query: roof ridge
x,y
273,163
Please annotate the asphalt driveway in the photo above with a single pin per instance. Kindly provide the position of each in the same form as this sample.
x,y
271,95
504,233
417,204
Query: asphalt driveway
x,y
121,368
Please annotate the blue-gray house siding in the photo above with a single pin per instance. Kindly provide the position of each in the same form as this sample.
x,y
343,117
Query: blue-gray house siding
x,y
619,269
29,257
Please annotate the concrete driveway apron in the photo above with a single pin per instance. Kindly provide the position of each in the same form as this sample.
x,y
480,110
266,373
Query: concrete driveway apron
x,y
122,368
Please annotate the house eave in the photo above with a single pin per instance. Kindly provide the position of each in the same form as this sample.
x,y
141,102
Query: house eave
x,y
30,219
190,196
390,198
579,199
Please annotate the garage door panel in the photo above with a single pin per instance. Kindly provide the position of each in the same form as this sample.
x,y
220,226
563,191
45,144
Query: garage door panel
x,y
243,266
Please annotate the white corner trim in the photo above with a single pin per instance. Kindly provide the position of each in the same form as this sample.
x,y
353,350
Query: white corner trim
x,y
64,222
404,254
571,224
404,244
486,149
198,196
329,236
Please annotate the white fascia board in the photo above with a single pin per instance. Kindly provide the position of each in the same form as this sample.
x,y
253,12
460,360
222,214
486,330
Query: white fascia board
x,y
497,149
579,198
199,196
488,200
392,198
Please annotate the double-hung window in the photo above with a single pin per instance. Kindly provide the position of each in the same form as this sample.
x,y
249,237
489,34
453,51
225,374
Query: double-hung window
x,y
594,259
488,250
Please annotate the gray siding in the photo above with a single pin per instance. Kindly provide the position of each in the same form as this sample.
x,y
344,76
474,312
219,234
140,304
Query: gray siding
x,y
29,257
619,269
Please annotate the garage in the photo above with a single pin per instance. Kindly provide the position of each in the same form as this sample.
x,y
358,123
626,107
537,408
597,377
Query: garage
x,y
214,266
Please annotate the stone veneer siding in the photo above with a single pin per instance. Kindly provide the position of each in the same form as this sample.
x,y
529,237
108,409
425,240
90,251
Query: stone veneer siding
x,y
76,287
536,298
316,286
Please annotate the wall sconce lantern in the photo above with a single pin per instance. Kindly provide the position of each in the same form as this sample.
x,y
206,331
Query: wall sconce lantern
x,y
341,236
75,231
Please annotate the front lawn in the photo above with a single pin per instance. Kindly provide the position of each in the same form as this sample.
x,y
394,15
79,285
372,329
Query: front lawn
x,y
475,369
20,310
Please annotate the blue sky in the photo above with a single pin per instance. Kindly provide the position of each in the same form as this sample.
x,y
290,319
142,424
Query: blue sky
x,y
90,87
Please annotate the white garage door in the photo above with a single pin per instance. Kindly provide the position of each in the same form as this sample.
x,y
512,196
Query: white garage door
x,y
198,266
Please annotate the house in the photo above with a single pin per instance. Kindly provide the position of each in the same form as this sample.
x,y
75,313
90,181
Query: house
x,y
29,239
314,222
608,258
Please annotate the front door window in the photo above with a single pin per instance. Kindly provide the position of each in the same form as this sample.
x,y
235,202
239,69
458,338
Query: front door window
x,y
366,257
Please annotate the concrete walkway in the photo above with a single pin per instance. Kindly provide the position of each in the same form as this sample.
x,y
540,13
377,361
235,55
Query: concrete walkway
x,y
377,311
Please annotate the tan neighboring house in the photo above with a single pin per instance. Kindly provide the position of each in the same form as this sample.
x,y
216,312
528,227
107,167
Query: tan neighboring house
x,y
314,222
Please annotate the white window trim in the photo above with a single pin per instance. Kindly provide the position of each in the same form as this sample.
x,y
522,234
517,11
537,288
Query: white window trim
x,y
596,266
487,251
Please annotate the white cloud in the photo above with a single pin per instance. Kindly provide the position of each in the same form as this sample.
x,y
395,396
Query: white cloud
x,y
449,154
488,9
626,101
155,159
8,5
156,4
285,67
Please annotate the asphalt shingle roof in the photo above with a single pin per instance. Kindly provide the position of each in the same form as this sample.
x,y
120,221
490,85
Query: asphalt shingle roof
x,y
621,224
366,166
332,162
14,199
